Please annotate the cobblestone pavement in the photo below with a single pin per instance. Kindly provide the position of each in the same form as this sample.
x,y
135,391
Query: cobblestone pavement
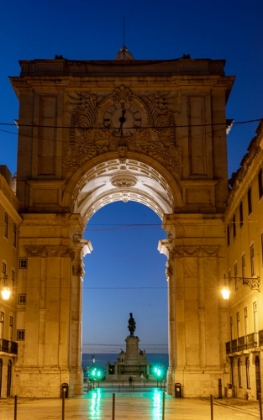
x,y
145,405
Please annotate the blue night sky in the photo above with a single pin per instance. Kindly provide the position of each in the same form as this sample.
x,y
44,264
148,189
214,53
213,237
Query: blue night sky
x,y
125,272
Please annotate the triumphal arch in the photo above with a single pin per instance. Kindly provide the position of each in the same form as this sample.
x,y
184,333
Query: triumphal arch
x,y
94,132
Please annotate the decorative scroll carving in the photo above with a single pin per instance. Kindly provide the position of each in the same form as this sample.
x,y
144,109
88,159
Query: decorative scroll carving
x,y
168,271
77,270
49,251
155,137
161,110
195,251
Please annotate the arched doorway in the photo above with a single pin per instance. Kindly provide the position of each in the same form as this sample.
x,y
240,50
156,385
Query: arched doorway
x,y
122,181
9,379
258,378
124,273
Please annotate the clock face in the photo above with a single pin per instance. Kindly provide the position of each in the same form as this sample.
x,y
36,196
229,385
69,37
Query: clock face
x,y
122,119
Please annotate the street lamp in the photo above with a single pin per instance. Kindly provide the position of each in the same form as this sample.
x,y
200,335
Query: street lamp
x,y
5,292
158,372
225,292
252,282
96,375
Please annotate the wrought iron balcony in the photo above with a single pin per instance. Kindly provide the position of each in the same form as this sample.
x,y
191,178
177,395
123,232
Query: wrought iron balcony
x,y
245,342
7,346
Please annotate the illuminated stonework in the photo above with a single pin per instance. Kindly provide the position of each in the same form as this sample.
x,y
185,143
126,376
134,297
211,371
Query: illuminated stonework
x,y
105,183
123,182
120,131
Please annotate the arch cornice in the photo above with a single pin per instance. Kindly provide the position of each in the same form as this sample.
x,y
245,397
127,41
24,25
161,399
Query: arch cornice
x,y
148,167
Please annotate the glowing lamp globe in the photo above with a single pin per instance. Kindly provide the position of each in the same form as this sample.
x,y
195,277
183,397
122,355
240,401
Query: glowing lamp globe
x,y
6,292
225,292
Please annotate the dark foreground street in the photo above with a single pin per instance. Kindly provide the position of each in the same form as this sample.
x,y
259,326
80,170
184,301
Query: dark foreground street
x,y
144,405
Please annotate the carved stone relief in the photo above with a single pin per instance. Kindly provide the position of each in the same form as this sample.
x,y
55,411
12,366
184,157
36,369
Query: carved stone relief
x,y
124,181
169,270
95,127
195,251
77,270
49,251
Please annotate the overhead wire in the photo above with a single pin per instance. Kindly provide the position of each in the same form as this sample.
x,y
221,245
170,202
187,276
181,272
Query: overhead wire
x,y
7,124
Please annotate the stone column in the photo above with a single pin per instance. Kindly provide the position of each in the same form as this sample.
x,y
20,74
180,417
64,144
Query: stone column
x,y
81,248
195,249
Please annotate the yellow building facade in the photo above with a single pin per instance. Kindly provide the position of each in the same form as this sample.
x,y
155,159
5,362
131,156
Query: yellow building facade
x,y
9,228
244,241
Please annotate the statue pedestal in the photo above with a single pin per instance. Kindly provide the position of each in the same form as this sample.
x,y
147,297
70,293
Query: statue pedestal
x,y
132,350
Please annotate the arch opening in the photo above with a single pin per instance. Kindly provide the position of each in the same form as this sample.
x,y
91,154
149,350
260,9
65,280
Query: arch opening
x,y
122,179
125,273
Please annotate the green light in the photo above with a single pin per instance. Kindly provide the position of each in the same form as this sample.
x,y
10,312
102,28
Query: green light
x,y
158,372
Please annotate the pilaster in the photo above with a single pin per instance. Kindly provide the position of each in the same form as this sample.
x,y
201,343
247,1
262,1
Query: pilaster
x,y
195,249
49,355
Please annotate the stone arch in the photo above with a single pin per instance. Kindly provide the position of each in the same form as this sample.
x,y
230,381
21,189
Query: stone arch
x,y
174,161
110,178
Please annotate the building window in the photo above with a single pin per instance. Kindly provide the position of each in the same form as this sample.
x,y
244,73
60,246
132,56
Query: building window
x,y
20,335
252,260
232,366
234,226
245,320
22,299
249,201
23,263
6,225
248,372
4,269
255,315
2,317
235,275
231,328
260,184
228,235
243,261
241,214
13,278
238,324
14,235
239,364
11,324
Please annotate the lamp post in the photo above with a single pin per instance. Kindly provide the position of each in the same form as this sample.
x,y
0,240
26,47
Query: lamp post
x,y
252,282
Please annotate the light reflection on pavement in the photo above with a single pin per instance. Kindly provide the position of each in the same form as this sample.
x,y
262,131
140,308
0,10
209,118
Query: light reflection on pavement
x,y
145,404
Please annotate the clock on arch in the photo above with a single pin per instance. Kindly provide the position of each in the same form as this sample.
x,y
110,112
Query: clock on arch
x,y
122,118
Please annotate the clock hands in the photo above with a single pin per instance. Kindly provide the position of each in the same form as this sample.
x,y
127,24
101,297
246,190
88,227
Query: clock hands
x,y
122,120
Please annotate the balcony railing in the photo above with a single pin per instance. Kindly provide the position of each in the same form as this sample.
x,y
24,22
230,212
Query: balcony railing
x,y
246,342
7,346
